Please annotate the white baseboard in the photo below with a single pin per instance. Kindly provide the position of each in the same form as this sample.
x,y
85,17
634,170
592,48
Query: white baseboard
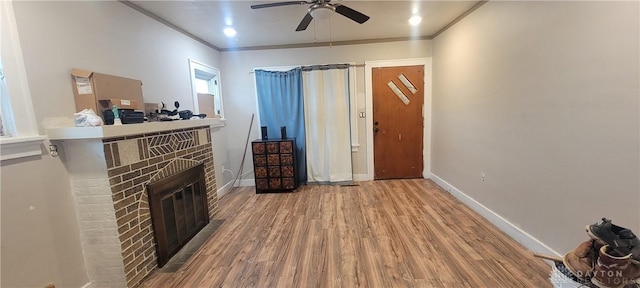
x,y
361,177
224,190
242,183
246,182
252,182
507,227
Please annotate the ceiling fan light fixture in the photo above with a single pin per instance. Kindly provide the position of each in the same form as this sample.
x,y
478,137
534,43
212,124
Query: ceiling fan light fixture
x,y
321,12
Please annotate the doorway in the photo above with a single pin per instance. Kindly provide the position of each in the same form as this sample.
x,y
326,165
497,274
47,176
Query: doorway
x,y
385,159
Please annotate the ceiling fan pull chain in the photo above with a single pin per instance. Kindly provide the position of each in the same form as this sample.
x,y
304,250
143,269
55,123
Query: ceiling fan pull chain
x,y
330,31
315,40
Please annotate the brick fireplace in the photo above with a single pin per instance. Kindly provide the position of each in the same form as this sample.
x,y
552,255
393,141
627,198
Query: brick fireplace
x,y
109,175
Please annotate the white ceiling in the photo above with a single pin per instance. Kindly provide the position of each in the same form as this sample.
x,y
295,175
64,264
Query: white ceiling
x,y
275,26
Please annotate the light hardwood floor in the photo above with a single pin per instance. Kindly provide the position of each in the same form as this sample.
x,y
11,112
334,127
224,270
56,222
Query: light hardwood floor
x,y
394,233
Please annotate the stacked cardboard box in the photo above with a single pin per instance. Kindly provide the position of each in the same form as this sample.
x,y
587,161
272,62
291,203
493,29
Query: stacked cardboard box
x,y
100,92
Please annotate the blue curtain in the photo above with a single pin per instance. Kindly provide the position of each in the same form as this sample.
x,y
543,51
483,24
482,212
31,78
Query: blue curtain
x,y
281,103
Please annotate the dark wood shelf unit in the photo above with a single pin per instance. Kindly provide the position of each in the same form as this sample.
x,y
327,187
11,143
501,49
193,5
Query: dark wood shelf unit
x,y
274,165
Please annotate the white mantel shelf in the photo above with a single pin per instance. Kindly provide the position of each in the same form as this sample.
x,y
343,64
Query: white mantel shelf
x,y
114,131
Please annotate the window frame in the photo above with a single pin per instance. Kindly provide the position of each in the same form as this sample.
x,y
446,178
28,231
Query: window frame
x,y
25,139
217,89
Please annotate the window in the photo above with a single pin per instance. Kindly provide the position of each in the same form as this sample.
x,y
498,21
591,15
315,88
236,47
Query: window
x,y
20,130
206,89
355,146
4,102
203,86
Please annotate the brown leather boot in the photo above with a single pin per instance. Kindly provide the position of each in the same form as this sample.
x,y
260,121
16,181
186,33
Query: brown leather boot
x,y
613,270
581,260
621,240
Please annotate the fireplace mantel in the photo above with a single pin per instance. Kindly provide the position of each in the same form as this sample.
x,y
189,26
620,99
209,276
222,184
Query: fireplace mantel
x,y
113,131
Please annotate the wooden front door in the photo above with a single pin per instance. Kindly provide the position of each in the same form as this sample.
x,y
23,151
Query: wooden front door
x,y
398,125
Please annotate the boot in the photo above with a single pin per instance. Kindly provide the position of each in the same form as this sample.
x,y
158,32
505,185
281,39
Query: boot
x,y
581,260
613,270
621,239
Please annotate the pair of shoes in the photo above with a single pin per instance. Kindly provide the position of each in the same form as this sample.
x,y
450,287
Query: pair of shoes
x,y
620,239
581,260
613,270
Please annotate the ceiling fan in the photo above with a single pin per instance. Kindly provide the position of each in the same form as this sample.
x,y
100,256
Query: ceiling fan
x,y
318,9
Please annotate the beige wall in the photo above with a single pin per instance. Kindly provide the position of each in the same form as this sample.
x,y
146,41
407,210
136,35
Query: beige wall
x,y
238,87
542,97
40,240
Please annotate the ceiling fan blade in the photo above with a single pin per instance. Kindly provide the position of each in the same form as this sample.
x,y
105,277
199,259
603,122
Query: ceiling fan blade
x,y
276,4
305,22
351,14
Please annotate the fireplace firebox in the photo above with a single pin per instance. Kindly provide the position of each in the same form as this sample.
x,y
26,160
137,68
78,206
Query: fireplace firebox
x,y
178,206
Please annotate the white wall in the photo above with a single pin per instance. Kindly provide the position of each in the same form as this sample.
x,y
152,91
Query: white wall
x,y
542,97
238,87
40,239
105,37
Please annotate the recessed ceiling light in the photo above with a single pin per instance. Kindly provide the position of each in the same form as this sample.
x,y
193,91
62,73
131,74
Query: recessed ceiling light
x,y
415,20
230,32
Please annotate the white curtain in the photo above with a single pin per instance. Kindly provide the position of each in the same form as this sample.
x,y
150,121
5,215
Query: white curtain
x,y
328,134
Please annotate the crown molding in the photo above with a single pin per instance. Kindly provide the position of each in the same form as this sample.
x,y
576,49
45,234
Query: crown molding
x,y
301,45
167,23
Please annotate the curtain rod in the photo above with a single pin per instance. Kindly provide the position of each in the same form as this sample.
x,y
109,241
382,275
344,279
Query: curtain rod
x,y
322,67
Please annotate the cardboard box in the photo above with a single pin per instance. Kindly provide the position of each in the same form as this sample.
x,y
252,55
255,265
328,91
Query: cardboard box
x,y
121,103
99,91
150,108
206,105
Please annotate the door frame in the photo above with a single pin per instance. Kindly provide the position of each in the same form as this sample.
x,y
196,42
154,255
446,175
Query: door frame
x,y
426,110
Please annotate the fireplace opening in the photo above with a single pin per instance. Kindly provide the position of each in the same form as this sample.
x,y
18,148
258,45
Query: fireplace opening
x,y
178,206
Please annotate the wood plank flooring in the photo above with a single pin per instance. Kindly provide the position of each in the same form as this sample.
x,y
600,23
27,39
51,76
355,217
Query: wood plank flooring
x,y
393,233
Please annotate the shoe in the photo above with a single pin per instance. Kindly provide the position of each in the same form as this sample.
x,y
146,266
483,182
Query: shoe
x,y
581,260
561,275
621,239
613,270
